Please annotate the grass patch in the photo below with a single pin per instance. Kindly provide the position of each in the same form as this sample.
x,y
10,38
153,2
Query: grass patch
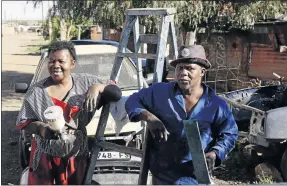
x,y
36,49
33,50
265,180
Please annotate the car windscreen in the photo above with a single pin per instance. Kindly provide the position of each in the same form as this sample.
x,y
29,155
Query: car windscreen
x,y
100,65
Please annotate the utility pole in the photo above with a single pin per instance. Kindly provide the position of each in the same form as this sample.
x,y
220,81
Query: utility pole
x,y
50,23
42,12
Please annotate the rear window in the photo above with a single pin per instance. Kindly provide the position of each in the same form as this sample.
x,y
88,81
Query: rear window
x,y
99,64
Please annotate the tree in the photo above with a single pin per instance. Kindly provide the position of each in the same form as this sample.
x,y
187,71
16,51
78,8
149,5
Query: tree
x,y
192,14
66,15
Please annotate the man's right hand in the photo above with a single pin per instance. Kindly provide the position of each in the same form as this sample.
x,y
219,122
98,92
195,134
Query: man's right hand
x,y
157,128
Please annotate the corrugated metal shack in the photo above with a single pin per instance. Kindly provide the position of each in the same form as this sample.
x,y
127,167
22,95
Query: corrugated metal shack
x,y
238,57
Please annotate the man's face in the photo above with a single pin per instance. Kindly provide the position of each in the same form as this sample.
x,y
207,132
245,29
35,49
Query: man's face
x,y
188,75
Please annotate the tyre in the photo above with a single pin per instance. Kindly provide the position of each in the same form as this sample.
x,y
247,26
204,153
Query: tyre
x,y
267,173
283,165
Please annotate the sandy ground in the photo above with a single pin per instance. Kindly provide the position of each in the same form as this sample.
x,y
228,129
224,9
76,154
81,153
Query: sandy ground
x,y
18,65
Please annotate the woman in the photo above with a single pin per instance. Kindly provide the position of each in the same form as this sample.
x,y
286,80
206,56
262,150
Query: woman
x,y
53,160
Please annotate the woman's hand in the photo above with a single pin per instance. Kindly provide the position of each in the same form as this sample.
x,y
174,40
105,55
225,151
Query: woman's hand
x,y
92,97
40,128
47,133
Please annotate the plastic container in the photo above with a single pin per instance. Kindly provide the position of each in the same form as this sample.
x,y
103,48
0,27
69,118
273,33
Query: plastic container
x,y
54,116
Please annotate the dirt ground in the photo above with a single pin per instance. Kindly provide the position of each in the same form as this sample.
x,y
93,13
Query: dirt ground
x,y
18,65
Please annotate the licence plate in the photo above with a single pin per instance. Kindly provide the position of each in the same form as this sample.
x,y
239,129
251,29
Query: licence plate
x,y
110,155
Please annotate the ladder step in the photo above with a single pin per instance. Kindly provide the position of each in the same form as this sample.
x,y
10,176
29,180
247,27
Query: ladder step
x,y
150,11
137,55
120,148
148,38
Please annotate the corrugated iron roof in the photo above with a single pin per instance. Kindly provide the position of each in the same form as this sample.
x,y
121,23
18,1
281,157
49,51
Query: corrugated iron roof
x,y
265,60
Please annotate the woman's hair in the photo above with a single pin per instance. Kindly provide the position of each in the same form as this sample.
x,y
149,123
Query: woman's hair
x,y
63,45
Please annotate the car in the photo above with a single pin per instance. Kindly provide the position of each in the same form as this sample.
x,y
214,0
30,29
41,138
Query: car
x,y
261,111
97,57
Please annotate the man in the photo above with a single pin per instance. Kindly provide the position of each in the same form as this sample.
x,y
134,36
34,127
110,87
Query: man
x,y
164,106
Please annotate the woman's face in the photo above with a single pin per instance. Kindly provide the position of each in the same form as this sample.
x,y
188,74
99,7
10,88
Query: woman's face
x,y
60,64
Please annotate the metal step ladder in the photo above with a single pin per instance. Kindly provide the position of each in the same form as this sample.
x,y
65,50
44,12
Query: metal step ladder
x,y
166,29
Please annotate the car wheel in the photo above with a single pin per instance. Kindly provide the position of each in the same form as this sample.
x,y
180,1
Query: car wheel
x,y
283,165
23,151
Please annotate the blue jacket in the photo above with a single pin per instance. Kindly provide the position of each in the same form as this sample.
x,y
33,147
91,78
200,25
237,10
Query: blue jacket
x,y
217,127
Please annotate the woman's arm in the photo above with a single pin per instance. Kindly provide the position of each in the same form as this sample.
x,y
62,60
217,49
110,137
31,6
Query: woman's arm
x,y
39,128
93,96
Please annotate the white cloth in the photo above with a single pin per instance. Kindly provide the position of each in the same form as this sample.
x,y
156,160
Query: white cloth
x,y
118,111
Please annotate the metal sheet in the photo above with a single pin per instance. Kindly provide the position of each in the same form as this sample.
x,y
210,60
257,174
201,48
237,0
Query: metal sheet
x,y
276,124
195,147
265,60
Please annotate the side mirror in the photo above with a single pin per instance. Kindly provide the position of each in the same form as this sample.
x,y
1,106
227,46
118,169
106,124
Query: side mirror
x,y
21,87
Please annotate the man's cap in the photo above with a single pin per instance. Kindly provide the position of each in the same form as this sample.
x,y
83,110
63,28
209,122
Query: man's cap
x,y
188,53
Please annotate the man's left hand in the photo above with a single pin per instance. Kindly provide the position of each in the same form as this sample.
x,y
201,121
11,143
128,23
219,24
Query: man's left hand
x,y
210,160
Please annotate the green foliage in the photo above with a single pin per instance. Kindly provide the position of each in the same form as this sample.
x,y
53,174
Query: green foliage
x,y
56,29
247,14
73,12
265,180
191,14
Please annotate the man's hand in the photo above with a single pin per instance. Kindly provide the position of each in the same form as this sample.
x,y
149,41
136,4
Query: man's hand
x,y
93,97
157,128
210,160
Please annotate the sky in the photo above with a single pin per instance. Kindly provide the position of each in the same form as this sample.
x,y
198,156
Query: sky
x,y
21,10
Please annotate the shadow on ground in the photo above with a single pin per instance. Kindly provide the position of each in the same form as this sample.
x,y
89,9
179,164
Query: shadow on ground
x,y
29,54
31,46
11,103
9,79
10,162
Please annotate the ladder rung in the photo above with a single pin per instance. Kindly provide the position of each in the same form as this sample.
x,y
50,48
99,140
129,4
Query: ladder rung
x,y
120,148
150,11
137,55
148,38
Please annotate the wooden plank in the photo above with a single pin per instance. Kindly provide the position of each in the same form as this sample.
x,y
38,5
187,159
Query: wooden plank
x,y
137,55
95,151
120,148
148,38
235,104
197,153
150,11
